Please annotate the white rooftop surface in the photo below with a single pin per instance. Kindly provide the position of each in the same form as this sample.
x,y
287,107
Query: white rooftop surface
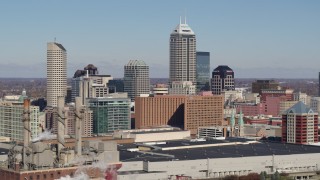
x,y
315,144
183,28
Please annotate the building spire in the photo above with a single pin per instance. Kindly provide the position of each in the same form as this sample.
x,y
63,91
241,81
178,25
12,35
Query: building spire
x,y
180,20
232,119
185,16
240,120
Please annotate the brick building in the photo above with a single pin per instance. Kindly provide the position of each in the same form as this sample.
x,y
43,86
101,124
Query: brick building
x,y
300,125
187,112
264,84
288,93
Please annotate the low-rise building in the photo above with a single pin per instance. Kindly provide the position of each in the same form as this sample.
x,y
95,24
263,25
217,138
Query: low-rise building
x,y
217,159
182,88
315,104
303,97
153,135
287,93
160,89
259,85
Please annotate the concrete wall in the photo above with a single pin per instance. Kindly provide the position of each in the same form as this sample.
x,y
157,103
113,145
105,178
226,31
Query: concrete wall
x,y
229,166
131,166
161,136
144,176
190,168
3,158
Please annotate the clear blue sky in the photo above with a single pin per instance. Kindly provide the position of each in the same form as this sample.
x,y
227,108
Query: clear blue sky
x,y
270,38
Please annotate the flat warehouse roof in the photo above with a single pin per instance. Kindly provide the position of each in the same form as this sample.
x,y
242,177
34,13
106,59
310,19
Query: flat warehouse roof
x,y
3,151
219,151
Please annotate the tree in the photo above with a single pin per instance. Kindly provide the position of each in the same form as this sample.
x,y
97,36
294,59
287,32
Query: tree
x,y
277,175
262,176
231,177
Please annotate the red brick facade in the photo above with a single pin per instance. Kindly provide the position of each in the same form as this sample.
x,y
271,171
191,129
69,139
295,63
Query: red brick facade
x,y
300,129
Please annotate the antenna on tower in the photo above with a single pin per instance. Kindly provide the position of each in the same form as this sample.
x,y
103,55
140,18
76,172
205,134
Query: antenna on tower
x,y
180,19
55,39
185,16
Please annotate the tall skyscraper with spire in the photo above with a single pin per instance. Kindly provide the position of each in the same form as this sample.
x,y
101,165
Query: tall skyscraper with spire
x,y
56,73
182,54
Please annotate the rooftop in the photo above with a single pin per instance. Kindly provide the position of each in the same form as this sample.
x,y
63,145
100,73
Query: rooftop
x,y
223,68
299,108
233,148
136,63
201,53
158,131
183,28
90,67
60,46
3,151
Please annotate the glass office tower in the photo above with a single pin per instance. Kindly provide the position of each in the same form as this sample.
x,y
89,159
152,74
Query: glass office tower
x,y
203,71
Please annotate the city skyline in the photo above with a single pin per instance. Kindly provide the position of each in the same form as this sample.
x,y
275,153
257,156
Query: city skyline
x,y
269,39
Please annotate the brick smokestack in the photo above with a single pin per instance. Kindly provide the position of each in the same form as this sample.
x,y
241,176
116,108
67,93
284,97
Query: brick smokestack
x,y
26,129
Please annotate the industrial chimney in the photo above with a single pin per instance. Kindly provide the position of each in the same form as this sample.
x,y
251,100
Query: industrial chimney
x,y
78,115
61,125
26,129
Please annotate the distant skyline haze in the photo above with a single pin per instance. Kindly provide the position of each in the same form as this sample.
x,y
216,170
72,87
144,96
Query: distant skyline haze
x,y
257,39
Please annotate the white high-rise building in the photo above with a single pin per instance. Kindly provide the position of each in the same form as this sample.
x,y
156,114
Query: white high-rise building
x,y
182,54
136,78
88,83
56,72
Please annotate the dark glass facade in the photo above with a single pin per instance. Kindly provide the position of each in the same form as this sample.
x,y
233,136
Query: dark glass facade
x,y
116,85
222,79
203,71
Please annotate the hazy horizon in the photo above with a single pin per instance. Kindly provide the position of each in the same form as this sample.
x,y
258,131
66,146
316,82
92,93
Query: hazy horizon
x,y
257,39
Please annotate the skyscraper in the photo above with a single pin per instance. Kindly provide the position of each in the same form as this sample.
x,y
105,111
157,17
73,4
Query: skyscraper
x,y
182,54
88,83
56,72
222,79
203,71
182,88
116,85
136,78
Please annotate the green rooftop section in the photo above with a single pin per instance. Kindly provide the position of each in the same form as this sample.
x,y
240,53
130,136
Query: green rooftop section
x,y
299,108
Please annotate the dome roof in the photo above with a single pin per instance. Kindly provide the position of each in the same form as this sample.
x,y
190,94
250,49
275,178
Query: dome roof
x,y
89,67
